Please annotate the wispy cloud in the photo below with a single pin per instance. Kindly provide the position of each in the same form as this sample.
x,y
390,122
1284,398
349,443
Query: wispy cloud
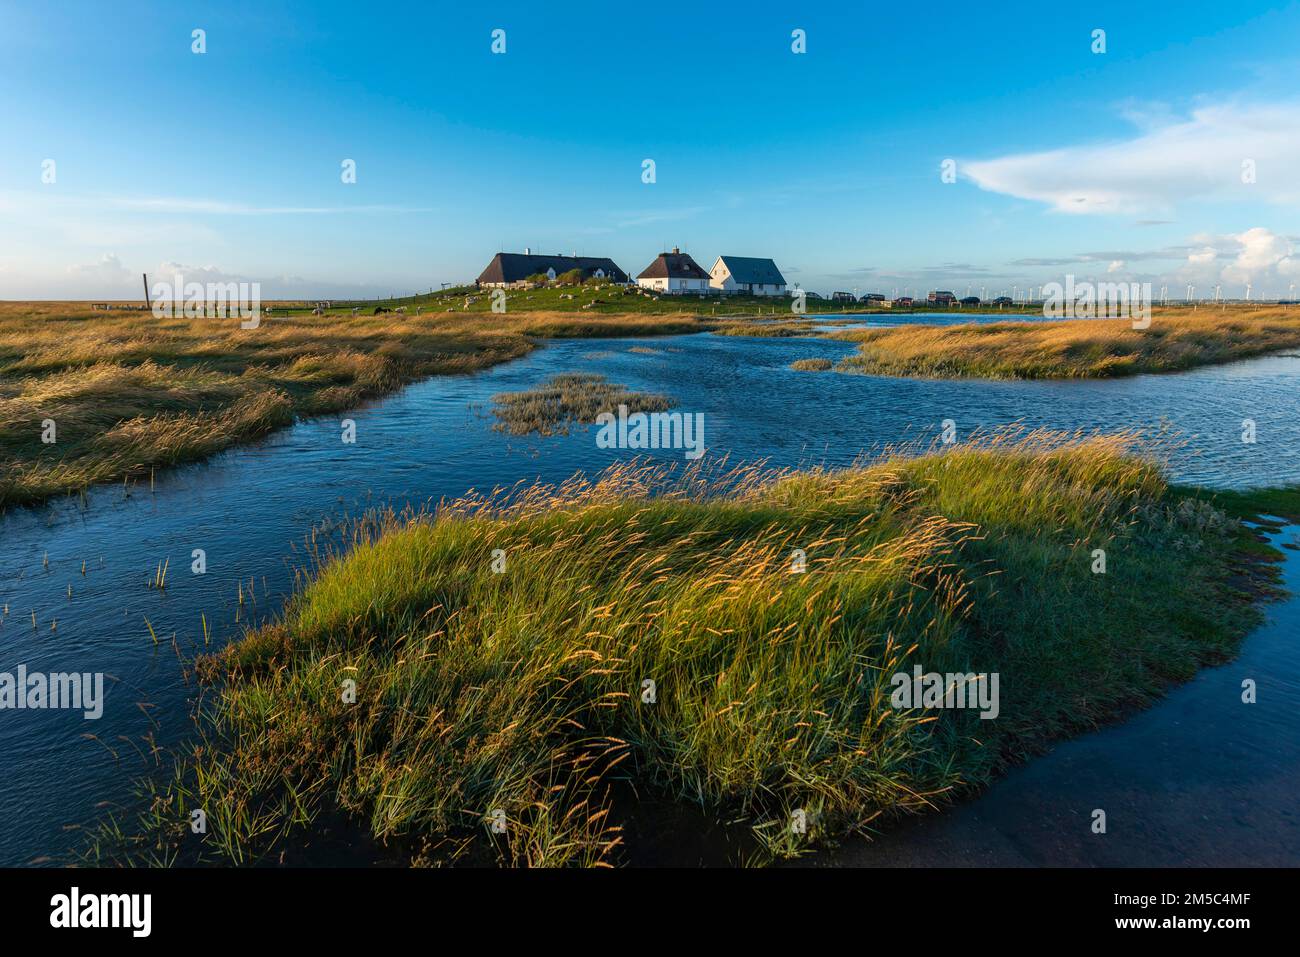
x,y
1223,152
650,217
15,201
214,207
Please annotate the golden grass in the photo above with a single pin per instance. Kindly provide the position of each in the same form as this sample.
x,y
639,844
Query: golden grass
x,y
767,330
810,365
562,401
129,393
1177,339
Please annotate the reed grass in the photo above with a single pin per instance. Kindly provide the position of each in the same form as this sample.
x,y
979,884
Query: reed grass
x,y
500,648
563,401
1177,339
770,330
811,365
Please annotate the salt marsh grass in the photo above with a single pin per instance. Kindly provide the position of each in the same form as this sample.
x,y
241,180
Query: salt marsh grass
x,y
811,365
500,648
1177,339
128,392
563,401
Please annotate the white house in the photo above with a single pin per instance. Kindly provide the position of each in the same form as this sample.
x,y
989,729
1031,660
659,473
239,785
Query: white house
x,y
674,273
743,274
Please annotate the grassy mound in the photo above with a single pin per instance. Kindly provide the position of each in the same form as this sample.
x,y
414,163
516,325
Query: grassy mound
x,y
1077,348
500,654
769,330
811,365
564,400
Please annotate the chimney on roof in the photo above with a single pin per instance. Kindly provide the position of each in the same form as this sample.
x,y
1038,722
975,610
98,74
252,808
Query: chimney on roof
x,y
676,251
528,250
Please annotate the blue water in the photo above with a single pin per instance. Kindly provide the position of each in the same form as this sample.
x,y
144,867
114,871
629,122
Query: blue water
x,y
885,320
250,508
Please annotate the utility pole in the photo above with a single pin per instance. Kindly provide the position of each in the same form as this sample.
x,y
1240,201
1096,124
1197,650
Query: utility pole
x,y
147,304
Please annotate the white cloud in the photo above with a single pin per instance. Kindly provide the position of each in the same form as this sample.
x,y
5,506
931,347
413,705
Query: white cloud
x,y
107,269
1261,254
109,278
1257,256
1169,161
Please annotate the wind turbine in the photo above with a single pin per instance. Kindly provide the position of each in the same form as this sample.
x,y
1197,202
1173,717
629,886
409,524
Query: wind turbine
x,y
1248,292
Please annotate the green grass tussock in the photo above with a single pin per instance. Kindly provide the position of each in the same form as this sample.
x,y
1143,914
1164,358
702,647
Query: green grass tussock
x,y
518,688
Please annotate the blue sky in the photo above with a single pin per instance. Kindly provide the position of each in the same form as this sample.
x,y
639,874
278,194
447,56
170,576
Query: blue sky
x,y
1125,164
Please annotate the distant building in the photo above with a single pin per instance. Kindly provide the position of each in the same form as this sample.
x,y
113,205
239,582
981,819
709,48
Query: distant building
x,y
674,273
743,274
513,269
905,302
843,297
942,297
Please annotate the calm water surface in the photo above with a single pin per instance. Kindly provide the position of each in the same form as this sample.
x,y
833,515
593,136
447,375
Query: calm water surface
x,y
249,508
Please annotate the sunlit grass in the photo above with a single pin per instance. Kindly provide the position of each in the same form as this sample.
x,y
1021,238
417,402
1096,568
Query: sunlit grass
x,y
566,400
128,393
1177,339
770,330
811,365
500,650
